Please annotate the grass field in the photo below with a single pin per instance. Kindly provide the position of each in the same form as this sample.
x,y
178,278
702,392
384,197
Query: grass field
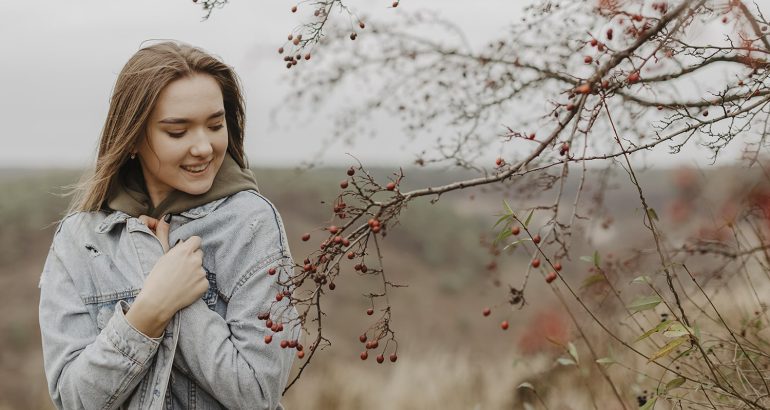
x,y
450,356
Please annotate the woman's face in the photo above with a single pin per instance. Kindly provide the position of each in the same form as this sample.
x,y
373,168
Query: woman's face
x,y
186,129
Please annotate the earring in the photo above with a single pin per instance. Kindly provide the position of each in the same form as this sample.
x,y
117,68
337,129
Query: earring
x,y
133,155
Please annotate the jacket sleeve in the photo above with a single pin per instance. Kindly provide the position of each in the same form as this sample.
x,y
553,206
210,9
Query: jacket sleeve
x,y
228,357
87,369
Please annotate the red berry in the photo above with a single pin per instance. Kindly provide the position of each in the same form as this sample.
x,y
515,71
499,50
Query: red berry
x,y
284,344
535,263
364,355
370,311
278,296
391,186
594,42
293,343
293,9
280,50
504,325
550,277
269,323
487,311
352,36
362,338
536,239
499,161
393,357
374,344
633,77
351,171
268,339
271,271
361,24
557,265
376,229
588,59
333,229
344,184
380,358
332,286
515,230
300,354
395,4
609,34
305,237
532,136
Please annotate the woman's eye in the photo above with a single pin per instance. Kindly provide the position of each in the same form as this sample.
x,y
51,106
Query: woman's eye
x,y
175,134
217,127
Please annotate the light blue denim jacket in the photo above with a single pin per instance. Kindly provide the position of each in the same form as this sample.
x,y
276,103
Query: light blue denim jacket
x,y
95,359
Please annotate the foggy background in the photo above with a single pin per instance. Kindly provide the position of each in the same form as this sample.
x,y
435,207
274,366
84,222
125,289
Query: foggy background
x,y
61,59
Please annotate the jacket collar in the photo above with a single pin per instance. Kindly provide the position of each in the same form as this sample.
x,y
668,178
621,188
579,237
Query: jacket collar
x,y
117,217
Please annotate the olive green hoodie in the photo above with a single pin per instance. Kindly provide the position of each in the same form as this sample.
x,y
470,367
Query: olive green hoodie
x,y
128,192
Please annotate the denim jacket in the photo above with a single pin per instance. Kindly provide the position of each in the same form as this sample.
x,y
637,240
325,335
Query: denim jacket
x,y
96,265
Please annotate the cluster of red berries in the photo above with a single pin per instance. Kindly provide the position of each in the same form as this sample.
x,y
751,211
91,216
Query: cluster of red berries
x,y
276,327
595,43
374,225
373,344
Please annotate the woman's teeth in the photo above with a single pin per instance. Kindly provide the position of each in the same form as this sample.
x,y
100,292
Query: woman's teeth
x,y
196,169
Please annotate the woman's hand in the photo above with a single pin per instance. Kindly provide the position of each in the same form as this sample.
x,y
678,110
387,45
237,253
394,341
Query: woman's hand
x,y
176,281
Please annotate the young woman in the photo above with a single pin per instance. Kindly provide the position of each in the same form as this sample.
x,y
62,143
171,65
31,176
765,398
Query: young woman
x,y
129,320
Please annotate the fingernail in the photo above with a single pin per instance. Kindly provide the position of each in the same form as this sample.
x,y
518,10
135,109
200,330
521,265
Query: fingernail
x,y
167,218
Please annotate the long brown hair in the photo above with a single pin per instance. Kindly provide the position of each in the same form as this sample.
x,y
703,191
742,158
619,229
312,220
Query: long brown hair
x,y
134,96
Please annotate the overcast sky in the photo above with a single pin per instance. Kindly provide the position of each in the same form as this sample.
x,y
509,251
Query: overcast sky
x,y
60,61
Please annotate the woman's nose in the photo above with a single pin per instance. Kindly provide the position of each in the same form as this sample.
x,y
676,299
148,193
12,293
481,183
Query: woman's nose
x,y
202,146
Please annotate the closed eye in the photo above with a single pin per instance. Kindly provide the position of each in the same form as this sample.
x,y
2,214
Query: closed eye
x,y
179,134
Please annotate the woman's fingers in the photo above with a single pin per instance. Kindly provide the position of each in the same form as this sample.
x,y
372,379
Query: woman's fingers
x,y
150,222
161,232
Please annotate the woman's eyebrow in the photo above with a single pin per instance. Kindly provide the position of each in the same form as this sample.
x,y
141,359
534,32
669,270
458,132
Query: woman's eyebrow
x,y
185,120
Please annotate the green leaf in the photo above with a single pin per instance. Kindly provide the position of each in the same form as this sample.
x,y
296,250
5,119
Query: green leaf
x,y
650,404
507,207
596,258
642,279
504,233
529,217
502,218
516,243
644,303
658,328
676,330
565,361
573,351
587,259
668,348
595,278
605,360
674,383
652,214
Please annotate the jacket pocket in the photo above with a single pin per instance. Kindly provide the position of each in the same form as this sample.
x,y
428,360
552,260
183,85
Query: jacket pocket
x,y
103,305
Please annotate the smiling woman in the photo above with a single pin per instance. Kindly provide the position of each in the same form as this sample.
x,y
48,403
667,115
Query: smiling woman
x,y
186,139
128,321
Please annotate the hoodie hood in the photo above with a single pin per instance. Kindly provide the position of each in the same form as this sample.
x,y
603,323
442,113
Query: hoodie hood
x,y
128,192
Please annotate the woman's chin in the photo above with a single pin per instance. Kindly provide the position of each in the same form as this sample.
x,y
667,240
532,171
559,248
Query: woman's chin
x,y
196,188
